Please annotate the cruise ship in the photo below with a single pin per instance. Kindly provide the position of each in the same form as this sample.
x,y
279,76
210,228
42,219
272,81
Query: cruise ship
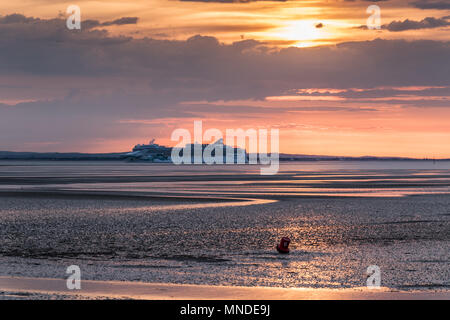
x,y
226,150
153,152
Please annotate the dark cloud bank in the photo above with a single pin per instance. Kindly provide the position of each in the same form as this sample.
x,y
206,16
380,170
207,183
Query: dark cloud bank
x,y
46,47
427,23
432,4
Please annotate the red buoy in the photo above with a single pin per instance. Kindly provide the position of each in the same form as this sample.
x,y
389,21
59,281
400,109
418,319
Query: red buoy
x,y
283,246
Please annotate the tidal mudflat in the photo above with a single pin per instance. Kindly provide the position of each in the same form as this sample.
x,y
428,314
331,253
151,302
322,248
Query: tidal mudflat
x,y
211,225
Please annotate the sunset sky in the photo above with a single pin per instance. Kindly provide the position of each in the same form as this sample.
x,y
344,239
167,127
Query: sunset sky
x,y
140,69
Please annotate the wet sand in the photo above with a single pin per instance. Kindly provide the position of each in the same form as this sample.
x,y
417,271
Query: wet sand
x,y
25,288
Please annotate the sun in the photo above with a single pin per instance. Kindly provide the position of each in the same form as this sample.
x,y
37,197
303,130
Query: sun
x,y
306,33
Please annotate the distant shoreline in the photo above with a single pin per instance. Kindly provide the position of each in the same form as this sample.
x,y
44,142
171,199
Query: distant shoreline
x,y
119,156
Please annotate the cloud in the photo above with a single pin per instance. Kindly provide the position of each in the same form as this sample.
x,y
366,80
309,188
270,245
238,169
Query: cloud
x,y
121,21
58,23
16,18
427,23
432,4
